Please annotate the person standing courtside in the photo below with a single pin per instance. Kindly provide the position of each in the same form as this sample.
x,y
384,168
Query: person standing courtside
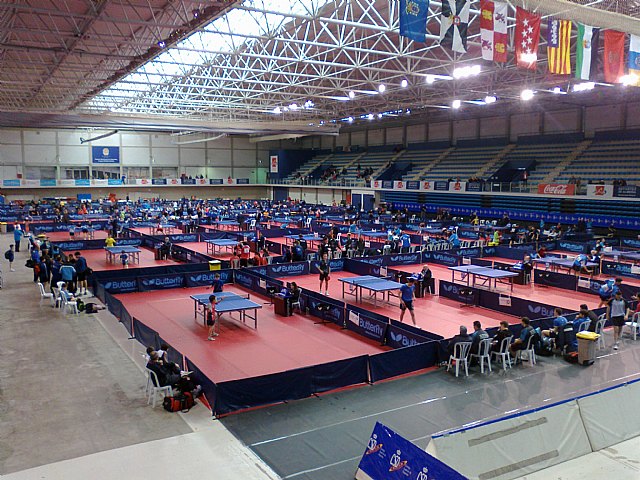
x,y
617,314
406,299
325,273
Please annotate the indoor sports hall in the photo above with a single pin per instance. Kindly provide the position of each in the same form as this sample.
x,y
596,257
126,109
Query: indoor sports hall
x,y
319,239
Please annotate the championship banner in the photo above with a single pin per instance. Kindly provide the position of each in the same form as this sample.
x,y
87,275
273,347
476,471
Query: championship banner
x,y
457,186
273,164
600,191
560,189
389,456
427,186
105,155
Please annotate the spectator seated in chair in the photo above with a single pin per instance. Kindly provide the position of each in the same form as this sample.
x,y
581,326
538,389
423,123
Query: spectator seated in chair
x,y
558,323
461,337
477,336
502,333
521,342
170,374
165,249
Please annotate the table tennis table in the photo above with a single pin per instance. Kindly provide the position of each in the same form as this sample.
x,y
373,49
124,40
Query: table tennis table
x,y
476,275
113,253
371,233
633,255
227,224
558,263
162,229
375,285
311,239
229,302
219,244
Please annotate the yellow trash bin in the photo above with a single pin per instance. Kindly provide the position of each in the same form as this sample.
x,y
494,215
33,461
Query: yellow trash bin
x,y
214,265
587,347
3,227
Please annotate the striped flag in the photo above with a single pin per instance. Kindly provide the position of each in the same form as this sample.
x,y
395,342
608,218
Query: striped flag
x,y
454,21
559,46
587,45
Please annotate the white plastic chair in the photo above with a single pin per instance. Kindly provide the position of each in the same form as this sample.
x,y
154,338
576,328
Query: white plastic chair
x,y
584,326
529,350
44,294
503,352
602,319
484,349
154,389
632,327
67,305
460,353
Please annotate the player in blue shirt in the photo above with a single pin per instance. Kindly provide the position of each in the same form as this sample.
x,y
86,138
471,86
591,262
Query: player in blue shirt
x,y
406,298
124,258
608,290
558,323
406,242
217,283
454,240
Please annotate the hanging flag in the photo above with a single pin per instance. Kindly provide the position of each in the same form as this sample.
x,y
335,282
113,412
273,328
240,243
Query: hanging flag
x,y
453,24
493,30
634,61
413,19
527,38
559,46
587,60
613,56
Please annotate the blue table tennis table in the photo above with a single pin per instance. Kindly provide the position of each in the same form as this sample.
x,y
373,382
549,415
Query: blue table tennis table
x,y
309,238
375,285
229,302
219,244
113,253
560,263
162,229
227,224
472,275
626,254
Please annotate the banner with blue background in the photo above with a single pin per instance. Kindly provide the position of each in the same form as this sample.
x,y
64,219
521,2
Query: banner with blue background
x,y
105,155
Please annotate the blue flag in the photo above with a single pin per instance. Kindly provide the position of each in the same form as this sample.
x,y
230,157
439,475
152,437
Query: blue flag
x,y
413,19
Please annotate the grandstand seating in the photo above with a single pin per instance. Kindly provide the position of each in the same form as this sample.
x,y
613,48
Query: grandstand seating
x,y
420,159
373,160
546,156
620,159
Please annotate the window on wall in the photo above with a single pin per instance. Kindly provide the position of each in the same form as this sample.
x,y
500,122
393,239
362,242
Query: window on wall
x,y
38,173
105,173
165,172
133,173
75,173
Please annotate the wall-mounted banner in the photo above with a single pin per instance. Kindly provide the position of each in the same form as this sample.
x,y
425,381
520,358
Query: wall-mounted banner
x,y
67,182
82,182
387,184
560,189
143,181
105,155
427,186
600,191
399,185
100,182
473,187
626,191
389,456
114,182
242,181
273,164
457,186
48,182
216,181
159,181
412,185
11,183
441,186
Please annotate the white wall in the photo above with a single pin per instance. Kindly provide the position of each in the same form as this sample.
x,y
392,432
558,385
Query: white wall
x,y
62,149
524,124
562,121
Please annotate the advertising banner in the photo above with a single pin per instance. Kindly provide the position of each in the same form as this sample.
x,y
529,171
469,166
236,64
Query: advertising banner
x,y
205,279
473,187
389,456
216,181
560,189
160,282
159,181
626,191
427,186
398,185
441,186
126,285
600,191
387,184
412,185
114,182
48,182
100,182
457,186
143,181
242,181
273,164
366,326
14,182
105,155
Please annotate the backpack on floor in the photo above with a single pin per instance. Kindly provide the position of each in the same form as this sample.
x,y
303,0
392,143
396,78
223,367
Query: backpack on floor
x,y
80,304
180,402
571,357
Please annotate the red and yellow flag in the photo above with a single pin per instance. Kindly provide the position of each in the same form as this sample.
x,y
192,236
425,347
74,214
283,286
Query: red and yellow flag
x,y
559,46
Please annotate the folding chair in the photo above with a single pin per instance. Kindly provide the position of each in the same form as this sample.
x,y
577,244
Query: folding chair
x,y
154,389
44,294
602,319
632,327
584,326
529,350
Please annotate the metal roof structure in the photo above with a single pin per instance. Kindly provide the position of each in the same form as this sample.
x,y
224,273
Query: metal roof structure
x,y
305,65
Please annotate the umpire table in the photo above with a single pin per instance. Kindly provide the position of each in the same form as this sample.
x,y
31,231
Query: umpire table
x,y
472,275
374,285
229,302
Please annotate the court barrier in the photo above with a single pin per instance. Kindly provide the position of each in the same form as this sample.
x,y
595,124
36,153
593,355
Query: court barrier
x,y
576,283
70,246
562,431
403,360
503,450
45,227
620,269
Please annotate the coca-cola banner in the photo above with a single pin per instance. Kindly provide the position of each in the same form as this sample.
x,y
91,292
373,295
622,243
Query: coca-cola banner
x,y
600,191
561,189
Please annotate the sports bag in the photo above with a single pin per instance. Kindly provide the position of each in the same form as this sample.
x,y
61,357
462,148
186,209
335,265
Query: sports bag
x,y
180,402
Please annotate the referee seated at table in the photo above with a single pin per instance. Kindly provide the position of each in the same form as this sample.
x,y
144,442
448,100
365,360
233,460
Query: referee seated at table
x,y
165,248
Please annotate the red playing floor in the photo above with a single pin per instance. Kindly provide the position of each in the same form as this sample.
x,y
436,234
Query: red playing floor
x,y
96,259
64,236
201,247
279,343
